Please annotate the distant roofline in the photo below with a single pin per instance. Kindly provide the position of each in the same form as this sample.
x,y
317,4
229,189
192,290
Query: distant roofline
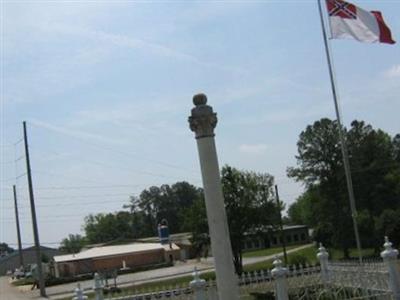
x,y
99,253
31,248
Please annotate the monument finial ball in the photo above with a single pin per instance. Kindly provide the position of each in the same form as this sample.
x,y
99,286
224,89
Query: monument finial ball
x,y
199,99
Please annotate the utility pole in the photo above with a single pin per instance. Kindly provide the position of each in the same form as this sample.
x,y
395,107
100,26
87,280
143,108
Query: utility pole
x,y
21,257
33,211
281,225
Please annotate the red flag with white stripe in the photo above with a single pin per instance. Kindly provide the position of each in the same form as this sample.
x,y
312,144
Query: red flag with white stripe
x,y
348,21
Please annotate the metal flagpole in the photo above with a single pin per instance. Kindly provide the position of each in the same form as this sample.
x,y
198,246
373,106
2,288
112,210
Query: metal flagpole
x,y
341,135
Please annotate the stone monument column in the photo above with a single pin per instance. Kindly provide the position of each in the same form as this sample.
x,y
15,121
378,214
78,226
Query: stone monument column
x,y
203,121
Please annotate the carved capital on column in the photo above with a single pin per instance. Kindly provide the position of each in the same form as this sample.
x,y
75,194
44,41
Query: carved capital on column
x,y
203,120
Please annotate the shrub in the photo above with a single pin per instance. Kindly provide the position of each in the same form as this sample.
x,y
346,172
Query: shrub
x,y
298,260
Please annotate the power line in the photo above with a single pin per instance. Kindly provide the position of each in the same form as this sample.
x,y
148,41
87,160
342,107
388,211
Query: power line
x,y
7,180
88,180
19,158
82,196
44,218
72,203
63,175
78,187
117,167
19,141
129,154
58,220
19,176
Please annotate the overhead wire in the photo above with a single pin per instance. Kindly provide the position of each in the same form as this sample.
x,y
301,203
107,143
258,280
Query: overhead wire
x,y
72,203
129,154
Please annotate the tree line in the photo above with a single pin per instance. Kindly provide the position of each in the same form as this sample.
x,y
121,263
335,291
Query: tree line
x,y
375,168
250,203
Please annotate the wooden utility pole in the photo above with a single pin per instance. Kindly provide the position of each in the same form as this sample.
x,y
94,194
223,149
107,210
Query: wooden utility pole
x,y
281,225
33,212
21,257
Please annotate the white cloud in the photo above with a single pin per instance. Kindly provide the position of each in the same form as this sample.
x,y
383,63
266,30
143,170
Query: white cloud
x,y
253,148
393,72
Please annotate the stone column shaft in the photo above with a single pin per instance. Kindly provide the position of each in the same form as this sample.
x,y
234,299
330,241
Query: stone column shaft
x,y
203,121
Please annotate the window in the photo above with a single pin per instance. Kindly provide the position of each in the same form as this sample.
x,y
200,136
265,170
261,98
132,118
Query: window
x,y
289,238
303,237
296,238
275,241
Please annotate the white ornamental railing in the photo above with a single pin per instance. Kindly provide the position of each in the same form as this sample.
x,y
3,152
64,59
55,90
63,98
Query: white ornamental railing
x,y
371,279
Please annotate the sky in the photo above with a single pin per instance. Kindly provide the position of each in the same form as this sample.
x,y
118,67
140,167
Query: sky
x,y
106,88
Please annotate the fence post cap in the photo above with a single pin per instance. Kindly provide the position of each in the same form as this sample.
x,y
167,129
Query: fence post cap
x,y
97,281
278,270
389,252
79,293
322,253
197,282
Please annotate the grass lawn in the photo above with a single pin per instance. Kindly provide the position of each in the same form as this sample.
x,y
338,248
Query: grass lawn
x,y
309,253
23,281
269,251
336,254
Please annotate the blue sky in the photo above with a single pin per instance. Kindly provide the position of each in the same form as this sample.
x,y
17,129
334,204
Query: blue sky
x,y
106,89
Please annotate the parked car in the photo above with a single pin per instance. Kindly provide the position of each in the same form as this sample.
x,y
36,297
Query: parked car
x,y
18,274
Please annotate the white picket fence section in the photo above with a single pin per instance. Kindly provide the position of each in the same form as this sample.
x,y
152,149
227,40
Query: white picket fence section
x,y
371,279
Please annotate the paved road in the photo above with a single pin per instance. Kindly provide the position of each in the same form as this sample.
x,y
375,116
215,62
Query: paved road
x,y
179,270
9,292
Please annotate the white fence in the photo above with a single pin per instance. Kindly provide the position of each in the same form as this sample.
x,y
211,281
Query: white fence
x,y
371,279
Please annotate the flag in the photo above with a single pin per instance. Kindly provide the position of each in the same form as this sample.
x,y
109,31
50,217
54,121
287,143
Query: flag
x,y
348,21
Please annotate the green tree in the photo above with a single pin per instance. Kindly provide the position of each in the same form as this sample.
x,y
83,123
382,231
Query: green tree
x,y
249,205
73,243
375,172
165,202
102,228
388,224
195,221
305,209
5,249
169,202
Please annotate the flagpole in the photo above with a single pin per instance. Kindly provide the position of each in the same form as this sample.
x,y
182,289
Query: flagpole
x,y
341,134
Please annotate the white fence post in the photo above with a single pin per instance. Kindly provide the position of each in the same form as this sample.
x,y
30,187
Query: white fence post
x,y
79,294
98,287
279,273
389,256
323,256
198,285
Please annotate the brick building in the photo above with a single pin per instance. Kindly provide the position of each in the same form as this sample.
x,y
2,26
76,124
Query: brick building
x,y
269,237
98,259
